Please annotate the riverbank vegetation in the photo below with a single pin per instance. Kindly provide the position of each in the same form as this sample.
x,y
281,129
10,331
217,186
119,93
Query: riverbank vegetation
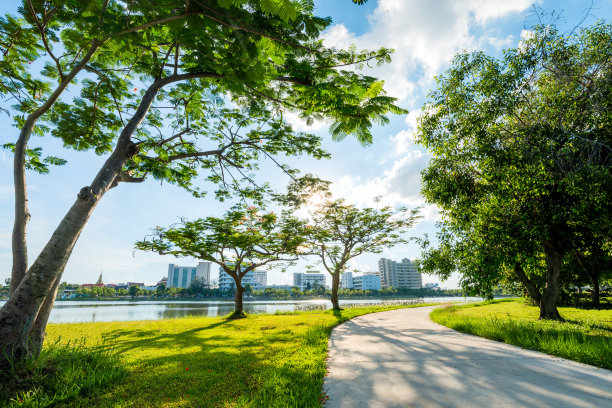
x,y
585,336
199,291
263,360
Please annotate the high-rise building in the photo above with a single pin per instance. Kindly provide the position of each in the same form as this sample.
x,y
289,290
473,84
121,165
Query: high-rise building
x,y
403,274
257,279
347,280
182,276
367,281
306,281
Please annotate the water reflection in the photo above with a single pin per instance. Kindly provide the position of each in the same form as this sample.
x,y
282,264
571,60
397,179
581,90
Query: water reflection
x,y
123,310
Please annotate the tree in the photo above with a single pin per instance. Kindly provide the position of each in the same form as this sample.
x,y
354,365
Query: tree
x,y
198,286
318,289
134,291
161,290
588,265
243,240
124,63
521,161
341,232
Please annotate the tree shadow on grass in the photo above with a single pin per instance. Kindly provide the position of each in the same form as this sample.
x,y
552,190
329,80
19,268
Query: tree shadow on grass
x,y
590,325
225,363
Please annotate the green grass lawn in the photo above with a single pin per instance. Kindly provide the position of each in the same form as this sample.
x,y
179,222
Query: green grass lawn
x,y
585,336
261,361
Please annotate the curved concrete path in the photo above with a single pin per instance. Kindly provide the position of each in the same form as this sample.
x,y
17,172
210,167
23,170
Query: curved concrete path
x,y
401,358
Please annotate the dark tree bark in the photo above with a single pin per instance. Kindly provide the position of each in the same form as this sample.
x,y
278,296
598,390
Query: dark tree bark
x,y
238,305
334,291
548,302
532,289
238,297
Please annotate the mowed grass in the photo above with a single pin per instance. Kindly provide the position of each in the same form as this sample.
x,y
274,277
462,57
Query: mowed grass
x,y
585,336
260,361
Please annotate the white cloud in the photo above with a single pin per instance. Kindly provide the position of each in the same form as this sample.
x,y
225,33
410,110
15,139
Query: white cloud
x,y
486,9
404,139
399,186
425,36
300,124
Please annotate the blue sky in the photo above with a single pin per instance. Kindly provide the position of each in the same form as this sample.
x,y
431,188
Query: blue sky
x,y
425,36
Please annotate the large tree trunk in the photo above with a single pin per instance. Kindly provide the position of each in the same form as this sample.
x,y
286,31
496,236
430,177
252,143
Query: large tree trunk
x,y
238,305
22,215
548,302
20,312
38,331
18,315
595,292
238,297
532,289
334,291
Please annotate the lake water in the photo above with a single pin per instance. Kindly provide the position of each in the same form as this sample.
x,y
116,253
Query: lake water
x,y
124,310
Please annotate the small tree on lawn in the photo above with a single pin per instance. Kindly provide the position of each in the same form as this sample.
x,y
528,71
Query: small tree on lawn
x,y
341,232
243,240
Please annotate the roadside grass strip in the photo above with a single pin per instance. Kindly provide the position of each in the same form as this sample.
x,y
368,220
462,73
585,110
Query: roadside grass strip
x,y
260,361
585,336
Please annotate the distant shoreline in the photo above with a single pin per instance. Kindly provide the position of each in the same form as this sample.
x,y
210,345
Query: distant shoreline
x,y
231,298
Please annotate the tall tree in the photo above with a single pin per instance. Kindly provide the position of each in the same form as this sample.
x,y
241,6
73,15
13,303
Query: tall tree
x,y
147,82
243,240
341,232
521,160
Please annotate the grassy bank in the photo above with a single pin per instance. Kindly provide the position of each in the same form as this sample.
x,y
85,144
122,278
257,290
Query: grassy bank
x,y
261,361
585,336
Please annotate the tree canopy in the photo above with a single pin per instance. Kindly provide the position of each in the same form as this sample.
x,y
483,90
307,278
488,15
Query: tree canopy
x,y
340,232
241,241
521,160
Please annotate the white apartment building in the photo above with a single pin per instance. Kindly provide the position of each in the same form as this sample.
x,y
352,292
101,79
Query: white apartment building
x,y
256,279
346,281
367,281
182,276
403,274
302,280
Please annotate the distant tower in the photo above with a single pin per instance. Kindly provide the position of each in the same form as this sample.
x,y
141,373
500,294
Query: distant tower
x,y
100,280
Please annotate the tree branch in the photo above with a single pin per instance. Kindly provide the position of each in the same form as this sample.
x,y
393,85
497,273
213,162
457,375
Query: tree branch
x,y
41,28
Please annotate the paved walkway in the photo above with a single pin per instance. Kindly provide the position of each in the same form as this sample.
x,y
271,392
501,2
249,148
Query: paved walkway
x,y
401,358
